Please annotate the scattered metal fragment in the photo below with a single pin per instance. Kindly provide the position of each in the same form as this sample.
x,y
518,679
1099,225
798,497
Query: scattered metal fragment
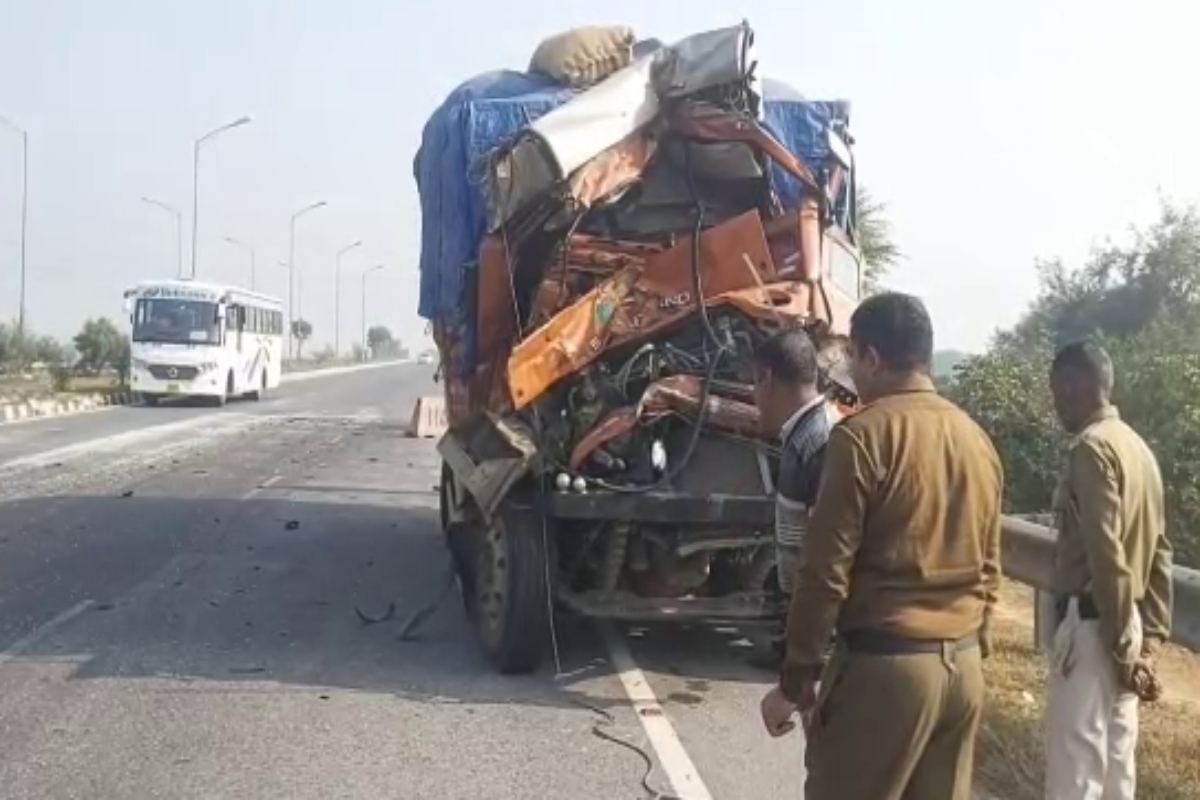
x,y
369,620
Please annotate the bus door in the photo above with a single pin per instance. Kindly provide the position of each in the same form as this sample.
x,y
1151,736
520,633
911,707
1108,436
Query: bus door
x,y
239,314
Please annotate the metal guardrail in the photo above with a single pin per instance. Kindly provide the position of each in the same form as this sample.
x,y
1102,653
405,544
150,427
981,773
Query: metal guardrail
x,y
1028,557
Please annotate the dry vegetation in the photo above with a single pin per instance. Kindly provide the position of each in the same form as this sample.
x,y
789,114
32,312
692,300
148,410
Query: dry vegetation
x,y
1010,751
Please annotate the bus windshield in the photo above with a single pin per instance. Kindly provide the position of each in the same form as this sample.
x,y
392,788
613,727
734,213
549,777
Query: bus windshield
x,y
176,322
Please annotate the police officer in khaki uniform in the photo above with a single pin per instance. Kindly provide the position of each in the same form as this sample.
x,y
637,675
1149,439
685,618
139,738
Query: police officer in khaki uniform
x,y
1112,582
902,556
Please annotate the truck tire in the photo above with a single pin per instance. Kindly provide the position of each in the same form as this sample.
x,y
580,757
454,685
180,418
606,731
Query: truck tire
x,y
508,599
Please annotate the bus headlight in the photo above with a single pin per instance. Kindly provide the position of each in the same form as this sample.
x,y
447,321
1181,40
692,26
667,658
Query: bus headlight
x,y
138,363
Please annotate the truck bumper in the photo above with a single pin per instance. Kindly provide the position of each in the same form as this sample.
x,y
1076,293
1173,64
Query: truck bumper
x,y
666,508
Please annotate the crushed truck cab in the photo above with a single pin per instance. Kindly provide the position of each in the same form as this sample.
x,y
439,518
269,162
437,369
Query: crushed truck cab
x,y
600,258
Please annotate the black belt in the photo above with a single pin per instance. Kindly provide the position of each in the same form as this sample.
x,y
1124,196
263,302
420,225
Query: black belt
x,y
1087,606
879,643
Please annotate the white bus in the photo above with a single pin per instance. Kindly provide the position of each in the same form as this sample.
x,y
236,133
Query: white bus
x,y
202,340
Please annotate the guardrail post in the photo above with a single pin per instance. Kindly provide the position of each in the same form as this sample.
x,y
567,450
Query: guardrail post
x,y
1045,620
1039,620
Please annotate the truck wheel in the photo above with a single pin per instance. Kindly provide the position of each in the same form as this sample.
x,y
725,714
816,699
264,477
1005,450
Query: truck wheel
x,y
509,603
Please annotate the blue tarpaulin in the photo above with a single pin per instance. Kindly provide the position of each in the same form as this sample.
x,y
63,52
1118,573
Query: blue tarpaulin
x,y
488,110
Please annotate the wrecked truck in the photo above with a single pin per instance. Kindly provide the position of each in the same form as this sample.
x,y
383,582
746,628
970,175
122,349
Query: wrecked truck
x,y
598,263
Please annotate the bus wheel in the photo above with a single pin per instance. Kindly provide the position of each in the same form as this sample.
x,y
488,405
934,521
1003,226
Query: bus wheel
x,y
509,603
149,399
258,393
220,400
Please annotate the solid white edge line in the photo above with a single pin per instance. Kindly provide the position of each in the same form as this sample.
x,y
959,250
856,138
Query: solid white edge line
x,y
676,763
27,641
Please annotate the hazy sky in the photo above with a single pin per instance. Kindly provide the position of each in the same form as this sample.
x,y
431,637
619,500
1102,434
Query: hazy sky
x,y
997,133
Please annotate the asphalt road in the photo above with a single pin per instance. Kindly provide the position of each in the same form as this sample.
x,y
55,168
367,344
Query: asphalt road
x,y
177,620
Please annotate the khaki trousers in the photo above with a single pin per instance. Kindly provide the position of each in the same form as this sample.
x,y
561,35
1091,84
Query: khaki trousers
x,y
1091,722
896,727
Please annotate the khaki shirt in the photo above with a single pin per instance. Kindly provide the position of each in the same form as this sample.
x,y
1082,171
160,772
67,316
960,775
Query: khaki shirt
x,y
1112,540
905,535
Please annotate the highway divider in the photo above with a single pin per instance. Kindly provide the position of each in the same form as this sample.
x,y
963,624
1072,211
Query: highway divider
x,y
58,406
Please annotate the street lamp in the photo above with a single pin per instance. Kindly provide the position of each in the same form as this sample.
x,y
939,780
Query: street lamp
x,y
196,177
24,213
172,210
248,247
375,268
292,268
337,297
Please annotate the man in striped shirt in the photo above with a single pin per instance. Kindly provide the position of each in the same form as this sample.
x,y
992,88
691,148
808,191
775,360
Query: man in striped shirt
x,y
791,407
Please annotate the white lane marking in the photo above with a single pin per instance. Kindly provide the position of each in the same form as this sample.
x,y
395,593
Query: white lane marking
x,y
267,484
368,414
297,377
126,442
291,377
30,639
681,772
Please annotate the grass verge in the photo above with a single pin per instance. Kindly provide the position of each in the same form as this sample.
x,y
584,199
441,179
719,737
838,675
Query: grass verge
x,y
1010,763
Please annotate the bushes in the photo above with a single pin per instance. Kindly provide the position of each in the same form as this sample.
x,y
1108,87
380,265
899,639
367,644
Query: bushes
x,y
98,346
1143,303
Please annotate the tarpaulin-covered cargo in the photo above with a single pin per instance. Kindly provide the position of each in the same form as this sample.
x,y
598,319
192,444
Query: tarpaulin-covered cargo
x,y
488,111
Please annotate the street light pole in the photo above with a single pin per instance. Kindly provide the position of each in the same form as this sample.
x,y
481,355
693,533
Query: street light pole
x,y
292,269
196,177
178,231
337,297
248,247
24,214
376,268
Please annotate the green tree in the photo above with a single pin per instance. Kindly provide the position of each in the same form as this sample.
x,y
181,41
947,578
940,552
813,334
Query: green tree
x,y
122,360
50,351
378,336
16,348
1142,301
100,345
6,346
381,343
302,331
879,250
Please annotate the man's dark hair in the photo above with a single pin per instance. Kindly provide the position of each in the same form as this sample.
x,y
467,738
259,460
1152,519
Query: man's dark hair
x,y
789,356
1087,358
898,328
